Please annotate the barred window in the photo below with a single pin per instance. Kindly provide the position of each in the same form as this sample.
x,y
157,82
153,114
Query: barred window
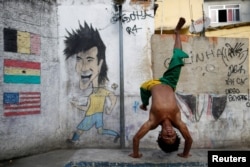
x,y
224,13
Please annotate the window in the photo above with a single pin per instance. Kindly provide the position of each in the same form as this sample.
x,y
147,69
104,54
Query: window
x,y
224,13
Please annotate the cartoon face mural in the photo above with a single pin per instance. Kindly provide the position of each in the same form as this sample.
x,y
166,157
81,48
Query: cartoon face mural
x,y
89,49
87,67
87,46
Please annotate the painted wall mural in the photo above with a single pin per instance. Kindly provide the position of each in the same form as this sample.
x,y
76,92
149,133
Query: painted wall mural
x,y
21,42
21,73
194,106
21,103
87,47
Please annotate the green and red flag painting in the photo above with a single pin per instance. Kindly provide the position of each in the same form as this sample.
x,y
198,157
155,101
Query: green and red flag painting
x,y
21,72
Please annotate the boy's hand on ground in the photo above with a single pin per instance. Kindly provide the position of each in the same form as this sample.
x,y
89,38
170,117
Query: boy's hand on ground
x,y
135,155
184,156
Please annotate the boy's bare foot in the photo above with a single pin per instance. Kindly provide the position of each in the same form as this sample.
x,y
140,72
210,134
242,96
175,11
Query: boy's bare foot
x,y
180,23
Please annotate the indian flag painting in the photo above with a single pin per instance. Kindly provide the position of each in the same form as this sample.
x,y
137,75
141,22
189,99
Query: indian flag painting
x,y
21,72
21,103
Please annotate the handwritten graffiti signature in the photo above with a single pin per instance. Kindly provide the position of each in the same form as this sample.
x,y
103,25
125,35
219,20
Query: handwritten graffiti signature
x,y
135,15
132,30
234,55
127,18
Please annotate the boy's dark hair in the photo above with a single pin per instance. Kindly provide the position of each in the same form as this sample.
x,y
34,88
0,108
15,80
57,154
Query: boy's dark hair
x,y
167,148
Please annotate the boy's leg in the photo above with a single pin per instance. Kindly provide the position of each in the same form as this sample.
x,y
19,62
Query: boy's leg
x,y
180,23
171,76
178,27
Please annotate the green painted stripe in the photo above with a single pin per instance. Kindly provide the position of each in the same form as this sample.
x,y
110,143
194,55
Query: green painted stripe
x,y
22,79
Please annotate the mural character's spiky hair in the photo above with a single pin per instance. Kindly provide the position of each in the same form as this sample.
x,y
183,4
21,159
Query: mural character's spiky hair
x,y
82,39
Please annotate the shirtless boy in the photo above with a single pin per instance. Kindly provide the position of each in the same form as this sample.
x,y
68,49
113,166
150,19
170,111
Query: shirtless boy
x,y
164,110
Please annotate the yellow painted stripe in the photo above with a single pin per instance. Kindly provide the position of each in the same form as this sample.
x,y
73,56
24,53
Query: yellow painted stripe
x,y
21,71
23,42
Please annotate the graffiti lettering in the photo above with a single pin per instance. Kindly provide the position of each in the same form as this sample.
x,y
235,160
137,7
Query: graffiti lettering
x,y
230,55
237,98
201,57
229,81
132,30
127,18
235,69
232,91
239,81
136,15
234,55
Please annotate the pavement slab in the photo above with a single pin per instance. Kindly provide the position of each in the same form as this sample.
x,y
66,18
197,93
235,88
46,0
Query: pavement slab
x,y
109,158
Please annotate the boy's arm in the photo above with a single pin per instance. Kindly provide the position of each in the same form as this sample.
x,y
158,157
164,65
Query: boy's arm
x,y
188,142
181,126
136,140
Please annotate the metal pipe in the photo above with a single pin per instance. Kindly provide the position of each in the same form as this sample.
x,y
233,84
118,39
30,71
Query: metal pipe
x,y
122,115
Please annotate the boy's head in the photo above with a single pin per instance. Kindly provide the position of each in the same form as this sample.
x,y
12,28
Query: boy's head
x,y
169,144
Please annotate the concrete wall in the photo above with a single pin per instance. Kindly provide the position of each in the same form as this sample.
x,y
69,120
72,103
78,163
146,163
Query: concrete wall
x,y
137,29
169,11
213,91
37,31
29,75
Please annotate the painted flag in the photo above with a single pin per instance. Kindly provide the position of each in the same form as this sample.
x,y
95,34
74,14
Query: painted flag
x,y
21,103
10,40
21,72
35,43
21,42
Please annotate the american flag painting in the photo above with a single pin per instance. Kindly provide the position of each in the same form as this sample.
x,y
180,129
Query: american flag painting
x,y
21,103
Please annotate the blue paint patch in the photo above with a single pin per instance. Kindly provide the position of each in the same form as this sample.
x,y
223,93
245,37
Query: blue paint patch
x,y
135,106
10,98
124,164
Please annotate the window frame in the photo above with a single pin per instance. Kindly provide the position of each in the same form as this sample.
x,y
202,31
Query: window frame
x,y
214,11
